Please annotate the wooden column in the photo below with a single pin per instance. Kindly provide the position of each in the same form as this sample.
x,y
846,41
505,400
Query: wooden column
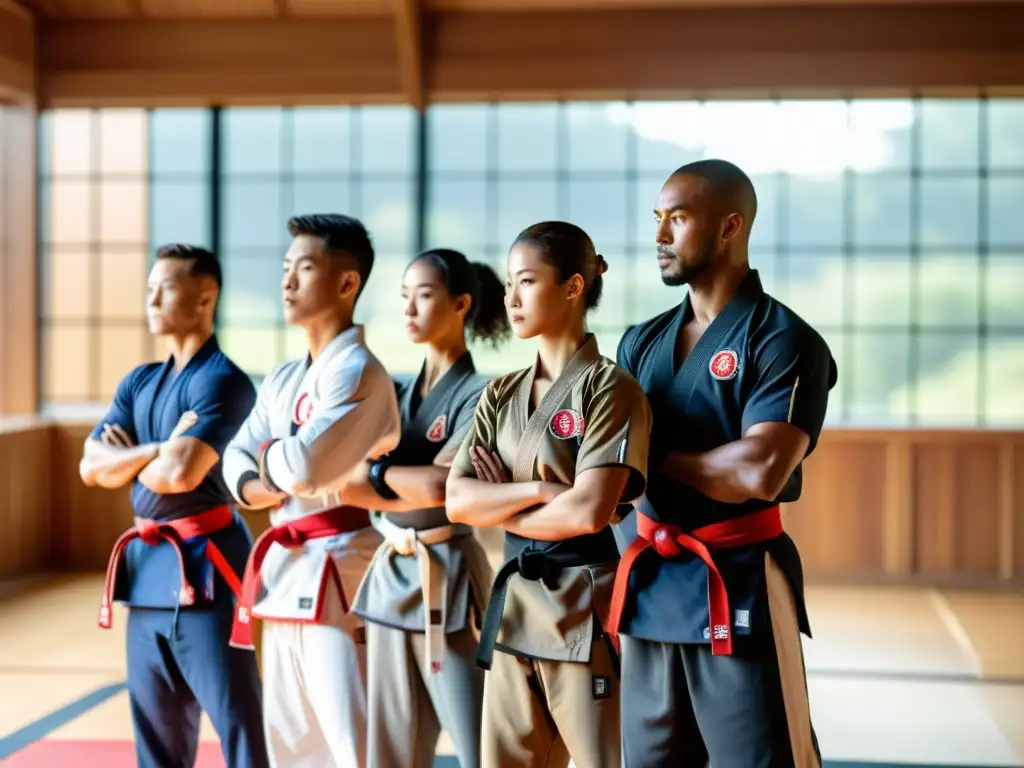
x,y
18,328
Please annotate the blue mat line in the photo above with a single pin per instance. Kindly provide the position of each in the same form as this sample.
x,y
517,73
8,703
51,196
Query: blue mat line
x,y
44,726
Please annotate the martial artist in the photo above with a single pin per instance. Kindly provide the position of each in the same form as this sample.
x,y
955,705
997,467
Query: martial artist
x,y
316,420
552,452
710,593
178,568
424,595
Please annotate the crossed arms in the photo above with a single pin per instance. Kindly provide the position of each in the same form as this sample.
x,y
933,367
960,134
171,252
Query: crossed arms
x,y
356,415
176,465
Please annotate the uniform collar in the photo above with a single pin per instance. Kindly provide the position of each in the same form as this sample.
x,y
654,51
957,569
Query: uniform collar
x,y
350,337
587,352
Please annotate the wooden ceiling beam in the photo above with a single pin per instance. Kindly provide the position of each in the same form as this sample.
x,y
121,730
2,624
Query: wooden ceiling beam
x,y
409,47
17,54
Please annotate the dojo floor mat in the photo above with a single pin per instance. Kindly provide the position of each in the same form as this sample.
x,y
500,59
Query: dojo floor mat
x,y
897,677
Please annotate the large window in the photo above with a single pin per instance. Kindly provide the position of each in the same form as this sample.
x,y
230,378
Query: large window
x,y
890,225
113,183
280,162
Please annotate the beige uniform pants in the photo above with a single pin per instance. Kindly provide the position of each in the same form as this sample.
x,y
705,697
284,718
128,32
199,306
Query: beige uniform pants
x,y
314,690
538,714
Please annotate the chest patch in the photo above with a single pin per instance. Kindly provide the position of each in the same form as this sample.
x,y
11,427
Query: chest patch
x,y
566,424
303,409
436,432
724,365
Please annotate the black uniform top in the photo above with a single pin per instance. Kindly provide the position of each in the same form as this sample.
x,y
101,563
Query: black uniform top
x,y
757,362
434,424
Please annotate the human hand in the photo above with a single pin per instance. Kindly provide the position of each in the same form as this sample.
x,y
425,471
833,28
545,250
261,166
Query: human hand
x,y
114,436
186,422
488,466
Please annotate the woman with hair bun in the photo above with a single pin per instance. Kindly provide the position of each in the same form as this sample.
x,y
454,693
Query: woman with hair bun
x,y
553,451
423,594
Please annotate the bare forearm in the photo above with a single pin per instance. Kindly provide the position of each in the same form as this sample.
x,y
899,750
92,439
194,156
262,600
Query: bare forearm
x,y
165,475
258,496
363,495
483,504
568,515
110,467
733,473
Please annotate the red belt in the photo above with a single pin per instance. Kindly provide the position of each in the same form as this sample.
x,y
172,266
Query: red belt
x,y
174,532
669,541
331,522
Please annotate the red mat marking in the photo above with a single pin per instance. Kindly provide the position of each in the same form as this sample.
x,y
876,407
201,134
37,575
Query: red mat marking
x,y
97,754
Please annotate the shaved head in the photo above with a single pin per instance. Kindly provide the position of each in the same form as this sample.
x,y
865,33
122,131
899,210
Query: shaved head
x,y
704,213
727,187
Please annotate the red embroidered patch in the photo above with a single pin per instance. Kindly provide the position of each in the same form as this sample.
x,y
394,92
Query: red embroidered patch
x,y
724,365
566,424
303,409
436,432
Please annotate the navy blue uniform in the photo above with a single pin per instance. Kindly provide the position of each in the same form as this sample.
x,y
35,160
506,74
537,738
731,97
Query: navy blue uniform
x,y
179,661
756,362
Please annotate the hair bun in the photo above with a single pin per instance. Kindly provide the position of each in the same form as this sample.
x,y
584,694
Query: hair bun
x,y
602,265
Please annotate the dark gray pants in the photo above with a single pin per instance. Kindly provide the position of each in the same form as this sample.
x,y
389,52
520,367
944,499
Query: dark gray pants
x,y
683,707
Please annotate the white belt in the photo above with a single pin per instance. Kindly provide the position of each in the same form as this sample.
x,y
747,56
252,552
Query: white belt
x,y
408,542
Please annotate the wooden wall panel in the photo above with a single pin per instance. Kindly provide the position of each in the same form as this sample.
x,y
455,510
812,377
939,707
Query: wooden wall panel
x,y
87,520
17,54
18,270
536,55
26,503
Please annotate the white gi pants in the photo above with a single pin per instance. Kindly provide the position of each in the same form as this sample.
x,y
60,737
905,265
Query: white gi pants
x,y
314,689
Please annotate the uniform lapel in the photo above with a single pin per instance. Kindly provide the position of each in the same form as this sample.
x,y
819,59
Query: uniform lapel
x,y
537,422
708,346
430,419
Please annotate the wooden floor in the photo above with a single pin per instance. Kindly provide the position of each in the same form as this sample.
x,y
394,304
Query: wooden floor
x,y
895,675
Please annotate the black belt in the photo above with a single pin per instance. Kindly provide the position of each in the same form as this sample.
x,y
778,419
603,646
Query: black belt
x,y
537,561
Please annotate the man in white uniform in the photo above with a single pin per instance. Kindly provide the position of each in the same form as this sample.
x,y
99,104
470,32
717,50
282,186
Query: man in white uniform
x,y
315,420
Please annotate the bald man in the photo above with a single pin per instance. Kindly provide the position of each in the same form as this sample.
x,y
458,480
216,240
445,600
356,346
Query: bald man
x,y
708,601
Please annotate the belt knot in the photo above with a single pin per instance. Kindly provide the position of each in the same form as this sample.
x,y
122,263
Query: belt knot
x,y
149,532
535,565
664,540
289,536
405,542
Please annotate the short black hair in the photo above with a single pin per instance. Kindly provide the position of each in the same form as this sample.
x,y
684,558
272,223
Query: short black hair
x,y
487,319
571,251
342,235
202,262
727,184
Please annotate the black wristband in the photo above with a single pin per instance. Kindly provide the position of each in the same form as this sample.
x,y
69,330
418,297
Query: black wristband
x,y
265,470
244,478
376,477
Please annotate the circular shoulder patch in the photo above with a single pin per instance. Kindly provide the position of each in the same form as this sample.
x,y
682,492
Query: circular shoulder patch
x,y
566,423
724,365
303,409
436,432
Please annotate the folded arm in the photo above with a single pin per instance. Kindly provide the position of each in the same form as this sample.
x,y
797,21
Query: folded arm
x,y
416,488
356,416
754,467
782,420
240,462
485,504
179,466
585,508
108,466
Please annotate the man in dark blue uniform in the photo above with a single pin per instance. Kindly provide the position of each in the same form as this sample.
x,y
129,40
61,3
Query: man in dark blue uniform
x,y
709,597
164,433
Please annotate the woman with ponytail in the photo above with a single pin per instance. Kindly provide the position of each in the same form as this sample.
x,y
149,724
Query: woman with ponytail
x,y
553,451
423,594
